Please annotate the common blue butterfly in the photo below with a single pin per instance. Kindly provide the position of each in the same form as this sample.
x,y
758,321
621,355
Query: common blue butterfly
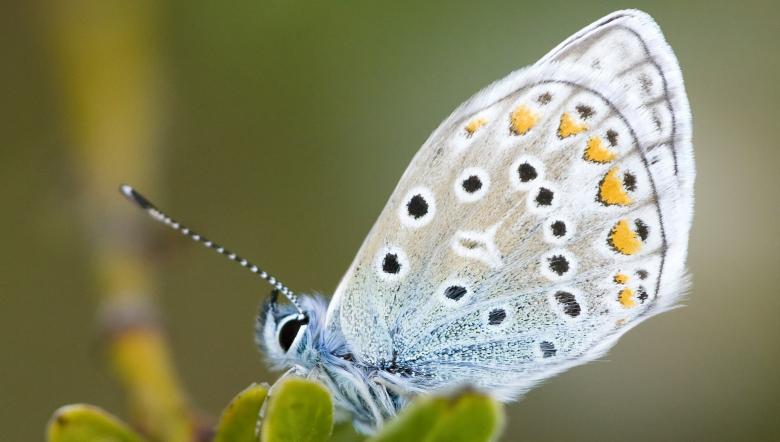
x,y
544,218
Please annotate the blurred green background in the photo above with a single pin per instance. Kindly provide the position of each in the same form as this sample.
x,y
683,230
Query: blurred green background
x,y
280,127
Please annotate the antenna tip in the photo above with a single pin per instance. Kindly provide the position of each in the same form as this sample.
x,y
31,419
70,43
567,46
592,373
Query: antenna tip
x,y
135,197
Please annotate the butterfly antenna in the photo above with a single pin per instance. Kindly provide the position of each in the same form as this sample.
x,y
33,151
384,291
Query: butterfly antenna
x,y
158,215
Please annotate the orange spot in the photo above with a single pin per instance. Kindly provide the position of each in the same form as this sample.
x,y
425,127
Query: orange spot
x,y
569,127
621,278
522,120
596,152
611,190
474,126
626,298
623,239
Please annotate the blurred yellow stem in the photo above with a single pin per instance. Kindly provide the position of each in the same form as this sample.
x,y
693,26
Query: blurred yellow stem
x,y
141,360
106,52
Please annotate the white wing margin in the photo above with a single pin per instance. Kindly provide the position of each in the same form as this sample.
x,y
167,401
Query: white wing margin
x,y
465,279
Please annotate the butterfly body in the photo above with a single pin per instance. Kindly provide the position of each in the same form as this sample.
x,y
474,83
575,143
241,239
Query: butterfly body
x,y
358,389
543,219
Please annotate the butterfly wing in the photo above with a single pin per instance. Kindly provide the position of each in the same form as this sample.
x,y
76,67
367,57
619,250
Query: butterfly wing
x,y
544,218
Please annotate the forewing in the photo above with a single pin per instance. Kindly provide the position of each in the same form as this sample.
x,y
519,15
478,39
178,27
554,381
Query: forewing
x,y
546,216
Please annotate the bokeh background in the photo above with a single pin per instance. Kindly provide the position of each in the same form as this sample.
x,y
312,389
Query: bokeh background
x,y
279,128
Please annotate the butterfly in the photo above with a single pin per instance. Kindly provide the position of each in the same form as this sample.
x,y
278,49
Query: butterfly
x,y
544,218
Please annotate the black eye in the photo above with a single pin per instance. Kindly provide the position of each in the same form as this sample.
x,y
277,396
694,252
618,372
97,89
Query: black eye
x,y
289,330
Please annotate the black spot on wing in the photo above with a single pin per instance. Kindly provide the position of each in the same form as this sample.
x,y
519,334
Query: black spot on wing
x,y
642,294
641,229
455,292
390,264
558,229
472,184
496,316
417,207
584,111
569,303
548,349
612,137
558,264
544,197
526,172
629,181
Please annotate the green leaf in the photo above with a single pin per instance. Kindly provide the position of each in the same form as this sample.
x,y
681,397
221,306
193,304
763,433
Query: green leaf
x,y
239,420
414,422
298,411
469,416
87,423
345,432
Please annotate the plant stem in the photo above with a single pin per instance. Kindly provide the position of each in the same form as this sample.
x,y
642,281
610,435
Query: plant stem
x,y
106,55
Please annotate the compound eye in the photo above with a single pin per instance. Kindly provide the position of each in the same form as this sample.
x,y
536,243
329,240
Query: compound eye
x,y
289,329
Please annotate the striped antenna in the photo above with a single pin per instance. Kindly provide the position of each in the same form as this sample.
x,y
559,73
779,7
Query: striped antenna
x,y
158,215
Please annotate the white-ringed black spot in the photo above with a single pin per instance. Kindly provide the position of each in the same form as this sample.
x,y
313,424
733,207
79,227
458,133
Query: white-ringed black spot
x,y
496,316
455,292
544,197
641,229
472,184
547,348
390,264
558,264
544,98
569,303
558,228
642,274
526,172
417,207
